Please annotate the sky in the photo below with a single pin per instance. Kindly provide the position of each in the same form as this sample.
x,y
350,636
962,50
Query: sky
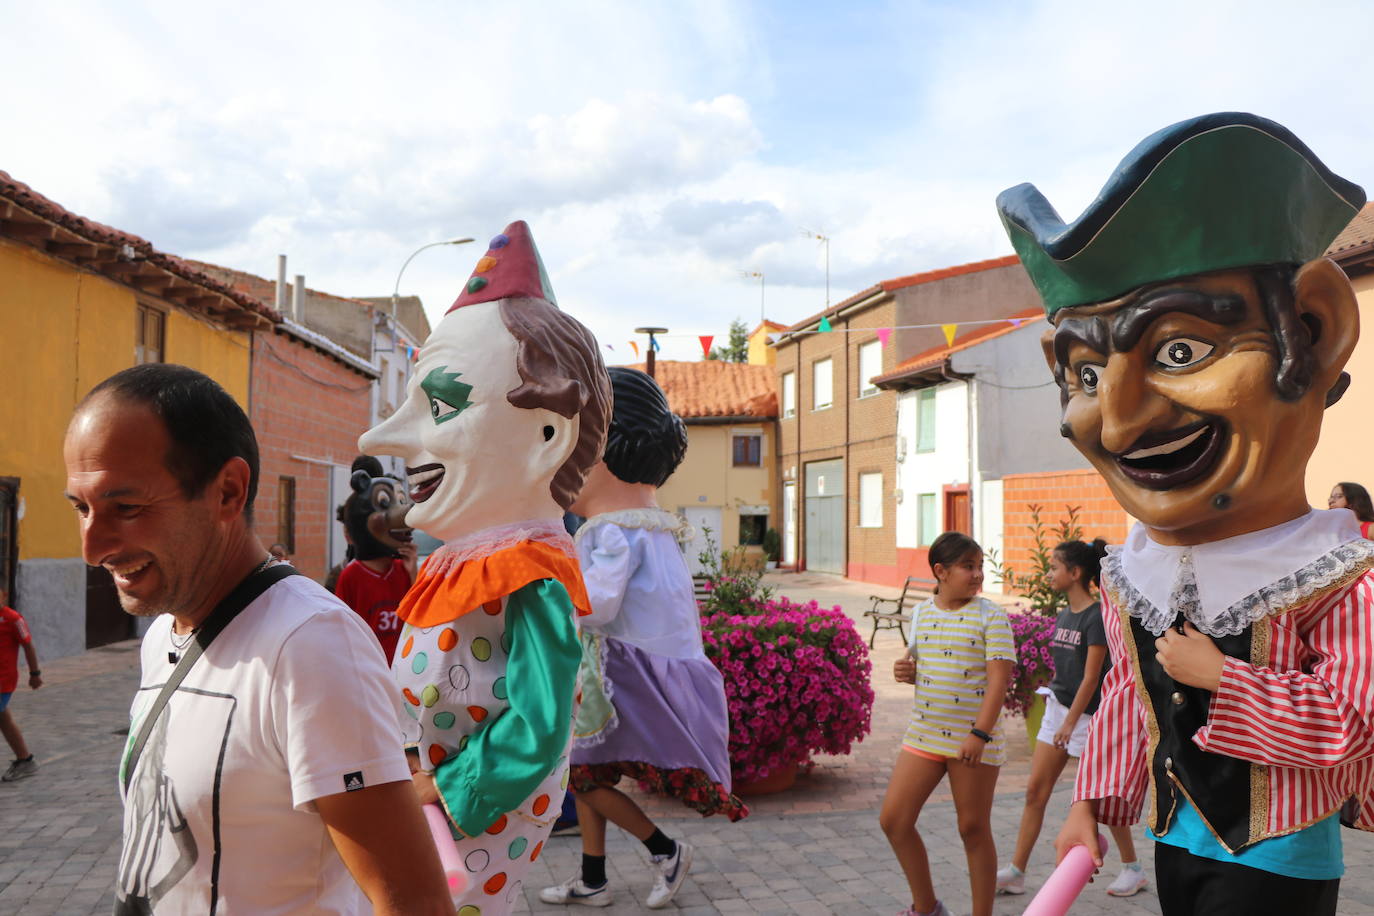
x,y
660,151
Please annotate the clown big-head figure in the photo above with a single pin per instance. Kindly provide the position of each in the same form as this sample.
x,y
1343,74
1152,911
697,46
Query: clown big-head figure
x,y
507,408
1198,331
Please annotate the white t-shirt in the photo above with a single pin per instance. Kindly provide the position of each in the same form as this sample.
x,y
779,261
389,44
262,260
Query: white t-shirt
x,y
291,702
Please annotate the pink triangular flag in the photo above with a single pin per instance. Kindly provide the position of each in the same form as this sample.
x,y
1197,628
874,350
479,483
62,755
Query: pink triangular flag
x,y
883,335
634,346
949,330
706,344
1016,322
611,348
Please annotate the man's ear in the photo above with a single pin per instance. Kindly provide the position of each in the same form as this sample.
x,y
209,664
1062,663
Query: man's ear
x,y
1325,303
231,487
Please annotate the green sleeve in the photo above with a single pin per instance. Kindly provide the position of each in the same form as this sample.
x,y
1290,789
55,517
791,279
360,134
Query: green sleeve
x,y
505,761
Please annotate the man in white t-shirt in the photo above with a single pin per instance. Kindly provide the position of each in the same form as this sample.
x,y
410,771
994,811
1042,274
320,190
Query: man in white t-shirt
x,y
273,781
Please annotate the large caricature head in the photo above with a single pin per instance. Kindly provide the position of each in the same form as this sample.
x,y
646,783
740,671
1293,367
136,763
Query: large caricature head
x,y
374,516
1198,331
507,407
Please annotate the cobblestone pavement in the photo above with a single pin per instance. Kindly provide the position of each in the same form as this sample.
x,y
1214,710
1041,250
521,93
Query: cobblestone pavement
x,y
814,849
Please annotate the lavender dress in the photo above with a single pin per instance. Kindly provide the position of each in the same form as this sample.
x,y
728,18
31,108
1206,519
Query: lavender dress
x,y
652,704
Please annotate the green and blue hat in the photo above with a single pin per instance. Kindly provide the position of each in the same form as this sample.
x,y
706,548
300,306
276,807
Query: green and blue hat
x,y
1212,193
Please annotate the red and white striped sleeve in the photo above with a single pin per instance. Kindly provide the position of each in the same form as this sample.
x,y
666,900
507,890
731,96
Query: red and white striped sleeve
x,y
1113,767
1314,718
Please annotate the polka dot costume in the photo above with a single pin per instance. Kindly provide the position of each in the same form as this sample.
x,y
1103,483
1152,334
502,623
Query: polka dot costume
x,y
453,679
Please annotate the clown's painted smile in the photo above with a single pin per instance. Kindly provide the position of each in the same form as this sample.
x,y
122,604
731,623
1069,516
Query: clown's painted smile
x,y
424,480
1174,458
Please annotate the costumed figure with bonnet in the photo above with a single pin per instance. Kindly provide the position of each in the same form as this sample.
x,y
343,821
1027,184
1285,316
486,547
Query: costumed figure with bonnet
x,y
652,704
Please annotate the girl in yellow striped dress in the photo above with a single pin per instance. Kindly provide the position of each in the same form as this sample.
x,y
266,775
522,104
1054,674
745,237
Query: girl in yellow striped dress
x,y
959,659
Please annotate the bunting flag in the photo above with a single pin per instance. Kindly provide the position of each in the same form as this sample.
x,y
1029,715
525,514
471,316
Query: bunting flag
x,y
1016,322
634,346
772,338
653,342
883,335
611,348
824,325
949,330
706,344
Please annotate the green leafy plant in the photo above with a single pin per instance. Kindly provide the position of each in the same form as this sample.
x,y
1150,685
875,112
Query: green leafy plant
x,y
772,545
1034,585
732,585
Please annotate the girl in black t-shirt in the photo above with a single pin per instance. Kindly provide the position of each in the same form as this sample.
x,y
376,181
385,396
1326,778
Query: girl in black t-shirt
x,y
1079,651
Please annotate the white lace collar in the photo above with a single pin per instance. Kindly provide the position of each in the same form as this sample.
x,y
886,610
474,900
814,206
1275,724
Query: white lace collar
x,y
488,541
648,519
1224,586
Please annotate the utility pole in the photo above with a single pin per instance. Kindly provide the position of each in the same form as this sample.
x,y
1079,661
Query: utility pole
x,y
649,356
820,237
763,315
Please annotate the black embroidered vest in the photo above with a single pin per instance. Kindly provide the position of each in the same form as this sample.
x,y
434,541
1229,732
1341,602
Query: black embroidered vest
x,y
1219,787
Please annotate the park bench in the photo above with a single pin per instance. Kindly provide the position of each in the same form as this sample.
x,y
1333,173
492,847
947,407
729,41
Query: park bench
x,y
893,613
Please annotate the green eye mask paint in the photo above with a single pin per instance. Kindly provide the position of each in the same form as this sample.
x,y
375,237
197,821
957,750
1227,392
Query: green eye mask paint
x,y
448,397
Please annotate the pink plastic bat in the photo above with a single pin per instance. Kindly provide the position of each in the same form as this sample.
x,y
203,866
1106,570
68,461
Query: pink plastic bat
x,y
1066,882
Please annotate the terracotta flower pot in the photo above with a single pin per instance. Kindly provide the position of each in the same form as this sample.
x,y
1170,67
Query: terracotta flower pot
x,y
779,780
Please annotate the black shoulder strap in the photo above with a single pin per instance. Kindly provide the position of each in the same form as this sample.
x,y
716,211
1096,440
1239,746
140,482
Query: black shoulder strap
x,y
244,594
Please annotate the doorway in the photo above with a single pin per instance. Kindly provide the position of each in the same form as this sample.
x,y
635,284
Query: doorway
x,y
825,523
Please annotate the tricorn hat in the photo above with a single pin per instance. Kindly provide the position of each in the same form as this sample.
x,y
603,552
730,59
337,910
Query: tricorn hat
x,y
1212,193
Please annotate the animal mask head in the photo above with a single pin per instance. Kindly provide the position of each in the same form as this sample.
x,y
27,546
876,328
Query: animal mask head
x,y
374,516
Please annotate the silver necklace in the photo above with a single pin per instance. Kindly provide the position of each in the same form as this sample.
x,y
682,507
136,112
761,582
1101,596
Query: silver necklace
x,y
174,655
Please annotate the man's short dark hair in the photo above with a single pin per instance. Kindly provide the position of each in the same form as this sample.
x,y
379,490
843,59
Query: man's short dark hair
x,y
205,424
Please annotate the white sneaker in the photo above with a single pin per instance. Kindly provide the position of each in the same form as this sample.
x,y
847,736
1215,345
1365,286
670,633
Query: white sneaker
x,y
20,769
1010,880
574,891
1131,881
670,872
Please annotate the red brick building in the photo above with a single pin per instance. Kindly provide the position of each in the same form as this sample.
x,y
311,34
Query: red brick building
x,y
310,399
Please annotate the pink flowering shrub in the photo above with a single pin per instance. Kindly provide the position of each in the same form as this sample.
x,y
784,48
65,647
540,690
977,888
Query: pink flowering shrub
x,y
796,681
1034,666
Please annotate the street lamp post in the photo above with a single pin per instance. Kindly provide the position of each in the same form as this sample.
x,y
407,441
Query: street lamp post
x,y
649,358
396,290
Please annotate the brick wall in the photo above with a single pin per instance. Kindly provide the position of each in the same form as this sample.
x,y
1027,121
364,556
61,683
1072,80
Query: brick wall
x,y
860,430
308,404
1099,514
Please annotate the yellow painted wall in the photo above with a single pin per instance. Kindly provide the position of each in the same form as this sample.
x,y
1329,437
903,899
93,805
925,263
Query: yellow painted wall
x,y
760,354
65,331
707,472
1346,448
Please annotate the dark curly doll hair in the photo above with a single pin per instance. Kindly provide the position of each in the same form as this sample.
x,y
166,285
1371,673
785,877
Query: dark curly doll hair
x,y
646,441
1087,557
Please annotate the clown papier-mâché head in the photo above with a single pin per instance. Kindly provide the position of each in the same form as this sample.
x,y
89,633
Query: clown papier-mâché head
x,y
1198,332
507,408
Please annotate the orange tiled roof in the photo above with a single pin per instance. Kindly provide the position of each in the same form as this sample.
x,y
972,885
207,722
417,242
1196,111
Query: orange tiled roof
x,y
896,283
1358,234
937,355
715,388
137,249
769,325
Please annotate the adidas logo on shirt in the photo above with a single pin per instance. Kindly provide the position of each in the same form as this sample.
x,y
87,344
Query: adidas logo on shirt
x,y
353,781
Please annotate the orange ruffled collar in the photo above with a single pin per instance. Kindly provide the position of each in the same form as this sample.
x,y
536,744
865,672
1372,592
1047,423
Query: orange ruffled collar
x,y
443,592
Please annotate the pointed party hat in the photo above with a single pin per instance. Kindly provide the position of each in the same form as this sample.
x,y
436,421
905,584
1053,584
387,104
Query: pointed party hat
x,y
511,268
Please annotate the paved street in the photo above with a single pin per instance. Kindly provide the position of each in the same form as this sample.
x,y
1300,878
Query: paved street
x,y
813,849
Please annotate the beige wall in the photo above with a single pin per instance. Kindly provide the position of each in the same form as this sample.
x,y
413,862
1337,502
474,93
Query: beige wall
x,y
1346,449
707,478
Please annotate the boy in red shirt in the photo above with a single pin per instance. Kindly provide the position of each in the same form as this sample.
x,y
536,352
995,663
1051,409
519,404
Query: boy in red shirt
x,y
376,580
14,633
